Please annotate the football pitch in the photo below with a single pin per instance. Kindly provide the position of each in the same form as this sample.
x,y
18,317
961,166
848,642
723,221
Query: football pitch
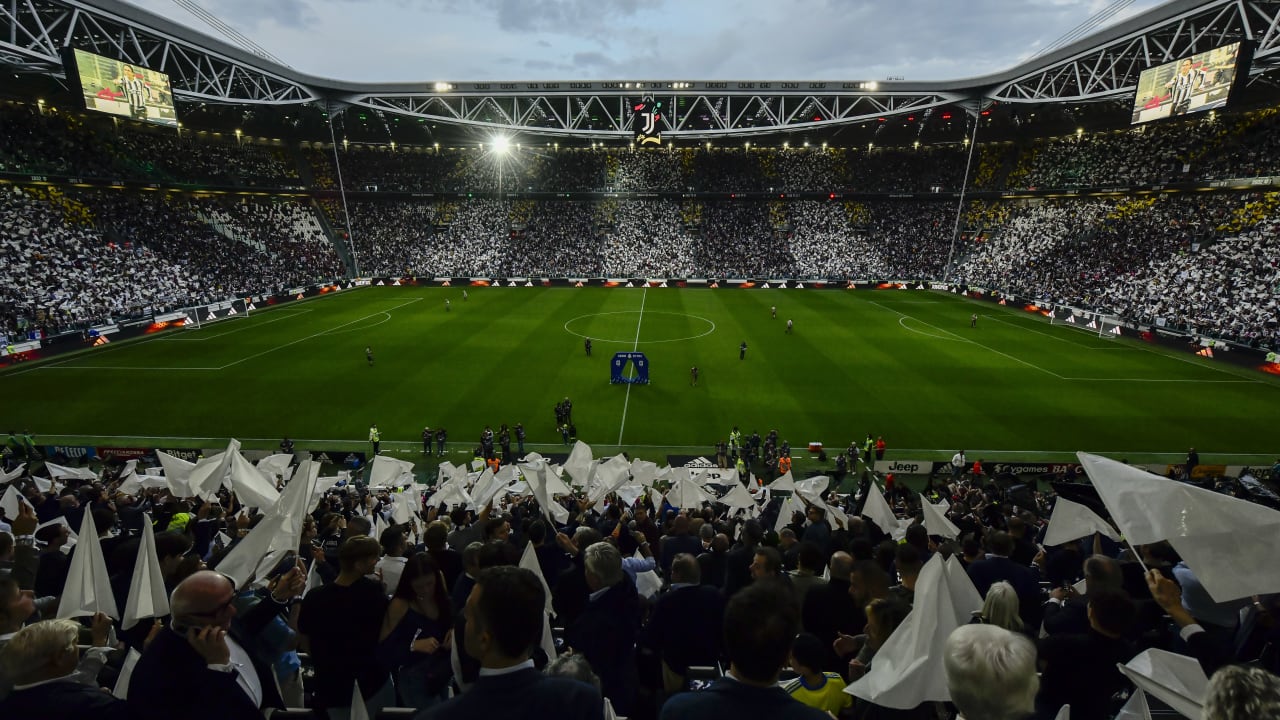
x,y
902,364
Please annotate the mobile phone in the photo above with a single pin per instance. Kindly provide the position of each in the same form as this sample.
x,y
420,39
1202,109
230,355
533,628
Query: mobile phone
x,y
287,563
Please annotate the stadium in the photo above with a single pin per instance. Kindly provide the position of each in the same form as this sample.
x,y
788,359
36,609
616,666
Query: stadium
x,y
554,302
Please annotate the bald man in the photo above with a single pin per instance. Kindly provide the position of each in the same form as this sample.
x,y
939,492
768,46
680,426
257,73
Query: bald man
x,y
204,666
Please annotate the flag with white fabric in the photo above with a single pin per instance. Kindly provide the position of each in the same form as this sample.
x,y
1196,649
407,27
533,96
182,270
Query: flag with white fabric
x,y
147,596
688,494
790,506
279,531
13,474
935,521
386,470
908,667
88,588
784,482
644,472
1176,680
877,510
252,486
359,711
648,584
1136,707
1072,521
529,561
535,475
58,472
1224,540
12,501
738,498
610,475
579,464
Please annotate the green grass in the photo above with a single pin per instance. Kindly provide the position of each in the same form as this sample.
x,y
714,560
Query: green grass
x,y
902,364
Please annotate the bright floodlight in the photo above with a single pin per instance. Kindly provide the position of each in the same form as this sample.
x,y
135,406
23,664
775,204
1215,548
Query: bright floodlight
x,y
501,144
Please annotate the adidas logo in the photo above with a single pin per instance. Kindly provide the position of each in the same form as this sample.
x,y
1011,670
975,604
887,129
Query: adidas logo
x,y
396,283
800,286
528,283
766,286
1207,352
578,284
511,283
446,283
699,462
300,295
1115,330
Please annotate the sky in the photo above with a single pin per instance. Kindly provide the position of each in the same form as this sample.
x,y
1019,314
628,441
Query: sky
x,y
693,40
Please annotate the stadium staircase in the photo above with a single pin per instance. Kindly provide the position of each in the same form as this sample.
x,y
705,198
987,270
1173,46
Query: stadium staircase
x,y
229,231
335,230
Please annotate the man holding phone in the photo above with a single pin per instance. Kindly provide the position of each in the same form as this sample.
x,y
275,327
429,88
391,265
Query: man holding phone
x,y
202,663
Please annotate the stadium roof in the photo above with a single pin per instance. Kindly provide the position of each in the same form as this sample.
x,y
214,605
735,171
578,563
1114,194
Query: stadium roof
x,y
1102,67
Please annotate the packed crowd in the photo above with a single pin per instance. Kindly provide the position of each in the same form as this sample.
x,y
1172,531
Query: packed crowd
x,y
653,584
49,141
77,259
1172,261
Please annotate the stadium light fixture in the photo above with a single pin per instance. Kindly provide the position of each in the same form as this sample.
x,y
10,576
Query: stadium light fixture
x,y
1079,131
501,144
785,145
443,87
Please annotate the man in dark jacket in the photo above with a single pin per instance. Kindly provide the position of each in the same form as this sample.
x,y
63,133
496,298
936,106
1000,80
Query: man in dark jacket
x,y
997,566
760,624
202,663
605,633
683,628
503,624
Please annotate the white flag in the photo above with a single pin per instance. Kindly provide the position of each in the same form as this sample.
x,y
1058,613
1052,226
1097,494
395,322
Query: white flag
x,y
935,522
58,472
579,463
785,482
1222,539
1176,680
1135,708
908,668
877,510
147,596
529,561
385,470
252,486
1072,521
88,589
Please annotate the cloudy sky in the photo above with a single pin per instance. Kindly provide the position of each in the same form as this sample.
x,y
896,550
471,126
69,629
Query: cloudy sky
x,y
460,40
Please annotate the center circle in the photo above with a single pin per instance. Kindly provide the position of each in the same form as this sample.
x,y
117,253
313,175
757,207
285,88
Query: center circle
x,y
710,327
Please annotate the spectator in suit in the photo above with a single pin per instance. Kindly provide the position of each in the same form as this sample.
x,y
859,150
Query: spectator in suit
x,y
202,661
766,564
436,539
43,661
1068,613
1080,670
503,624
760,624
571,592
712,564
678,627
991,673
808,571
738,560
831,610
606,631
997,566
679,541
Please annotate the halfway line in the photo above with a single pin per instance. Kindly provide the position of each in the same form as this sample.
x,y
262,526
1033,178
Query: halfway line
x,y
634,347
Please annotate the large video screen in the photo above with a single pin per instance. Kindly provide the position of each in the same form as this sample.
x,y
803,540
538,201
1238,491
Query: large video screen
x,y
1195,84
119,88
